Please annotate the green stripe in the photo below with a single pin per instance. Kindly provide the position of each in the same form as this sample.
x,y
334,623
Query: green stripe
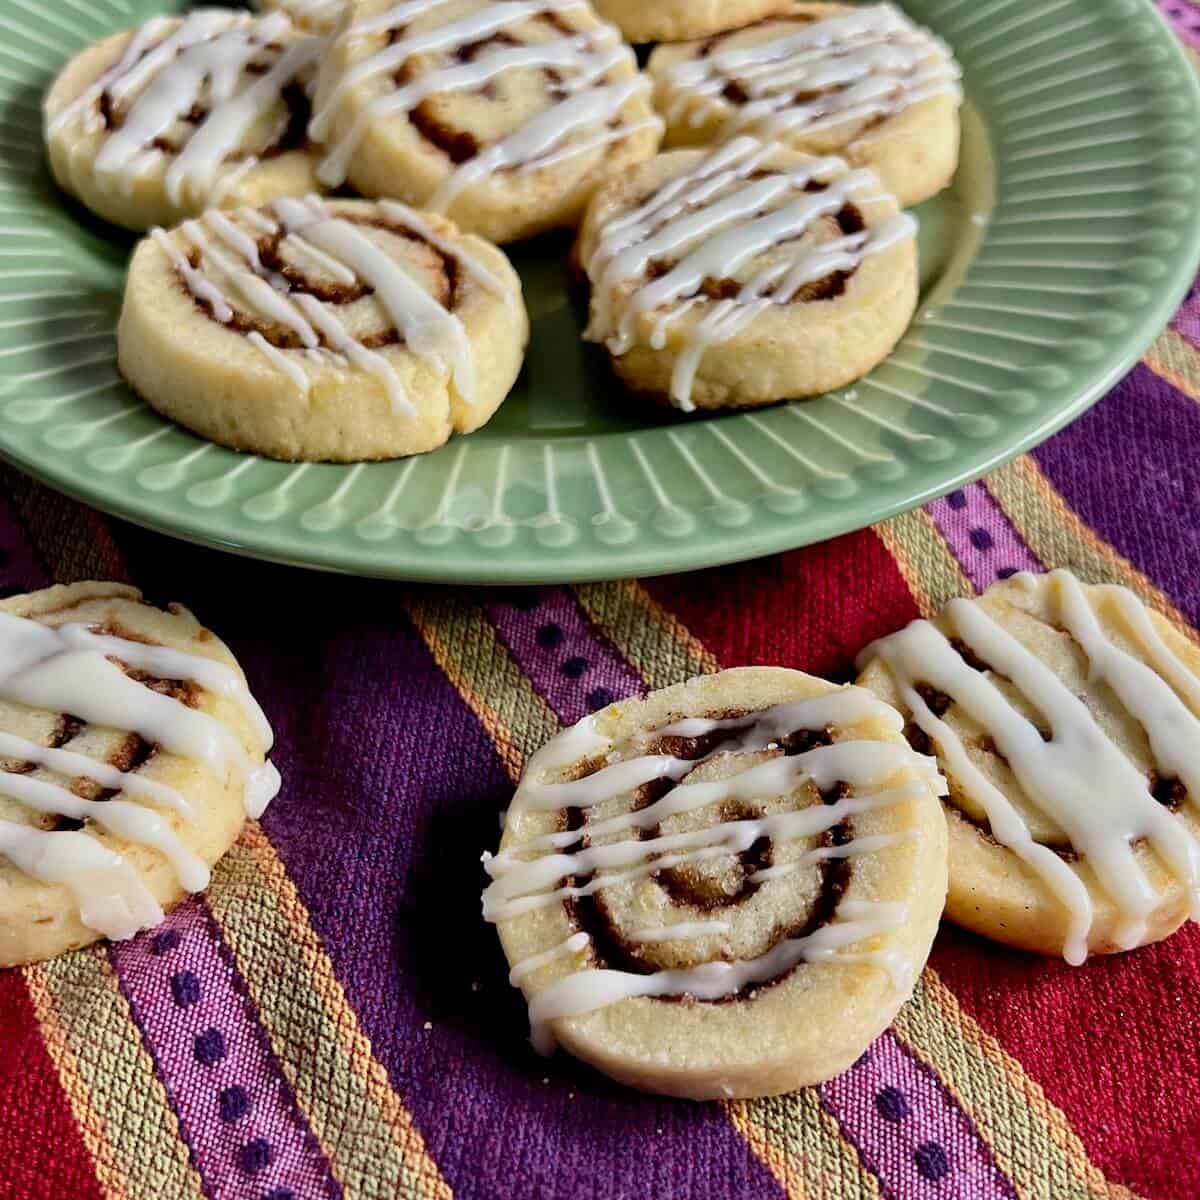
x,y
653,641
1008,1107
930,568
123,1090
294,1006
474,658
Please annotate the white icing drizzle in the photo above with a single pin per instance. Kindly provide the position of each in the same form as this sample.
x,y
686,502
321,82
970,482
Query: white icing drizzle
x,y
681,931
80,766
855,66
230,263
70,669
1080,778
583,119
205,60
714,220
545,871
111,896
575,944
586,991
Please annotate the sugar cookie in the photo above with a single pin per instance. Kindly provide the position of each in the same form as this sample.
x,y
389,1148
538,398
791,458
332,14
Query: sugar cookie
x,y
746,275
506,117
1066,718
131,754
864,83
678,20
157,124
340,331
725,889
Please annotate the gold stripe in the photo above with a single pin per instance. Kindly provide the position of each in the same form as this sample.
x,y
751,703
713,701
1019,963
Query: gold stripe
x,y
801,1144
653,640
929,567
465,646
110,1177
1175,359
1060,538
109,1064
1030,1137
341,1087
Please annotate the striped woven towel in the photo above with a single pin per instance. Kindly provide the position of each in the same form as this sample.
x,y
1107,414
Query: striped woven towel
x,y
333,1019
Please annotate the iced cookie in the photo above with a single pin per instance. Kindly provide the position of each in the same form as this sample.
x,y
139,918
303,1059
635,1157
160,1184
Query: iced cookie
x,y
746,275
726,889
864,83
506,117
678,20
341,330
317,16
1066,719
131,755
157,124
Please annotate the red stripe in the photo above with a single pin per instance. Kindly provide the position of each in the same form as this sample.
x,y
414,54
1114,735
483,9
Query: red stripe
x,y
813,609
1115,1044
41,1148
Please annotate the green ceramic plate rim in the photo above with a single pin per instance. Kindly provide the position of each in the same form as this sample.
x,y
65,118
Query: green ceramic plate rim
x,y
404,556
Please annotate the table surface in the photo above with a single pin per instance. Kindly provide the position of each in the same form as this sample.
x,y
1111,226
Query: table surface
x,y
333,1018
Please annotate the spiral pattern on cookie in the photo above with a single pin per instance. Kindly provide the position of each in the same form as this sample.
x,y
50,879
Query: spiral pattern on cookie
x,y
730,236
106,724
180,115
341,329
823,78
1067,719
683,862
498,114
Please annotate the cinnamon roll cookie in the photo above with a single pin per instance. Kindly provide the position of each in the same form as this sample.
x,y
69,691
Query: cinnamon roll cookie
x,y
679,20
746,275
342,330
726,889
505,117
863,82
157,124
1066,718
317,16
131,755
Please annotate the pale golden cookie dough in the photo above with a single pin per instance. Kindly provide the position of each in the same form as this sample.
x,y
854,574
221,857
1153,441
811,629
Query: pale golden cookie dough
x,y
317,16
39,920
992,890
678,20
883,866
910,134
508,126
274,376
198,150
837,327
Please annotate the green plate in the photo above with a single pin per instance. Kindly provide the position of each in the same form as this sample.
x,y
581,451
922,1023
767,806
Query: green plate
x,y
1064,245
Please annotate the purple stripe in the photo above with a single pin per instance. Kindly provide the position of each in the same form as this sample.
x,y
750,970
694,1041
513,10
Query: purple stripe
x,y
1184,17
1128,468
235,1109
909,1131
393,790
1187,319
573,666
981,537
20,568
